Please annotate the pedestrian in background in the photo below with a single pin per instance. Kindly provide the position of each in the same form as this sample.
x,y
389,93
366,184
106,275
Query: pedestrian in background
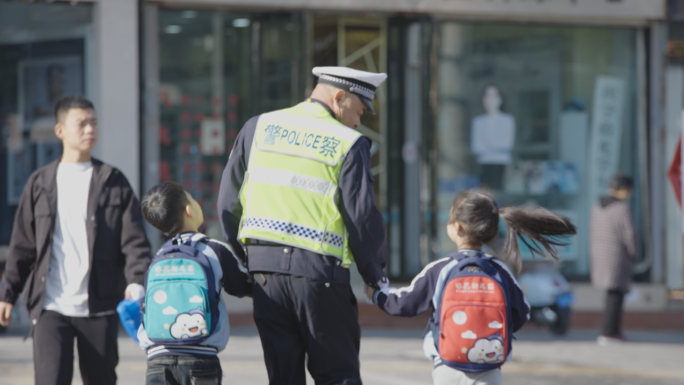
x,y
78,239
613,250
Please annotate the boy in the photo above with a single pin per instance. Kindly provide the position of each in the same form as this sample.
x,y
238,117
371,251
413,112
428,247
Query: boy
x,y
170,208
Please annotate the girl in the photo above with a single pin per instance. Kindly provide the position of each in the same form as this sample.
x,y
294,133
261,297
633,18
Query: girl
x,y
473,222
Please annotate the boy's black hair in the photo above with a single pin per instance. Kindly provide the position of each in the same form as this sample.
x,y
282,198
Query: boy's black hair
x,y
163,207
69,102
620,181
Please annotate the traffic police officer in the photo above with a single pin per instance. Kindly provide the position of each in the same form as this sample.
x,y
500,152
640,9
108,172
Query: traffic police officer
x,y
297,194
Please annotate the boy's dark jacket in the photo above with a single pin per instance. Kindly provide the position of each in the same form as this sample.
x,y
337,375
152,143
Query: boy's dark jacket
x,y
119,250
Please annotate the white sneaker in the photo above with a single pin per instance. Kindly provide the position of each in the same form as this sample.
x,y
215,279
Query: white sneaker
x,y
607,340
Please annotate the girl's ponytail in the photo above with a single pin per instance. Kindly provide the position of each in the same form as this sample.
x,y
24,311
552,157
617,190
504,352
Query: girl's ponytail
x,y
538,228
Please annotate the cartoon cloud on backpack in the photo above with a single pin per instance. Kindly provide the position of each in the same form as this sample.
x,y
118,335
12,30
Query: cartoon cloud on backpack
x,y
487,350
190,324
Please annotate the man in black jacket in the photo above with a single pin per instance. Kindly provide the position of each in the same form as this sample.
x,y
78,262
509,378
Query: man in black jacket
x,y
77,246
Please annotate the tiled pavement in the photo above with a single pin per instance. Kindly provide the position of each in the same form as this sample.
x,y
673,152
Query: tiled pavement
x,y
394,356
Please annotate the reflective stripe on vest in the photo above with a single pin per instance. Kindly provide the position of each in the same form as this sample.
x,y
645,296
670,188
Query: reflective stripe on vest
x,y
290,192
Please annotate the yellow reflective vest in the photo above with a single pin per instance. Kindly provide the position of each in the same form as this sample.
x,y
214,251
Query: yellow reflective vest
x,y
290,191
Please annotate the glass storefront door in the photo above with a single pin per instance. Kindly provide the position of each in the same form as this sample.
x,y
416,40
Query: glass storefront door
x,y
44,56
217,70
538,115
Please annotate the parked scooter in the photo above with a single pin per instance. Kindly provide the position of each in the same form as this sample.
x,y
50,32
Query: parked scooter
x,y
549,296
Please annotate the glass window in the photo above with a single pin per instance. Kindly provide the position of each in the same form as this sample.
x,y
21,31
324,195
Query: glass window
x,y
359,43
42,59
536,114
216,71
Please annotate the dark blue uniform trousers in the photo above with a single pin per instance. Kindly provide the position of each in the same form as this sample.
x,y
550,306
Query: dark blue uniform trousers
x,y
305,320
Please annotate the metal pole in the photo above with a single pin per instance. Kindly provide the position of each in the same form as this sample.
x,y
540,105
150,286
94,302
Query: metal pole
x,y
412,137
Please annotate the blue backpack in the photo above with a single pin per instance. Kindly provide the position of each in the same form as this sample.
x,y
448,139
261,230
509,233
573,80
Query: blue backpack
x,y
471,325
181,298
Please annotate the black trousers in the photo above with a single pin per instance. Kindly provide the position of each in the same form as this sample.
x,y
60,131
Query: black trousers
x,y
492,176
301,320
53,349
612,315
180,370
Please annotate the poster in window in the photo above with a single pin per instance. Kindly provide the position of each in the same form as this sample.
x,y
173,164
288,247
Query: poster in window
x,y
42,82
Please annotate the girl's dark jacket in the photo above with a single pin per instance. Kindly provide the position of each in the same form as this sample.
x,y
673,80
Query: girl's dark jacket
x,y
119,250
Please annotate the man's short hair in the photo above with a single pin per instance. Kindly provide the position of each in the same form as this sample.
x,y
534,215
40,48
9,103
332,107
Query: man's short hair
x,y
620,181
69,102
163,207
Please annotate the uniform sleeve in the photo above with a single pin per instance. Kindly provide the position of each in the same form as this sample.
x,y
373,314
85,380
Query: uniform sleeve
x,y
362,219
22,249
228,205
520,309
236,281
414,299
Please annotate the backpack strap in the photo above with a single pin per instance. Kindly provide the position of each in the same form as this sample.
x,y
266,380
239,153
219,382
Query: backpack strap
x,y
482,260
191,241
483,263
194,240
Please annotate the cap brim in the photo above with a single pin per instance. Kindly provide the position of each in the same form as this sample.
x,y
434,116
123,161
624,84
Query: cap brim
x,y
369,104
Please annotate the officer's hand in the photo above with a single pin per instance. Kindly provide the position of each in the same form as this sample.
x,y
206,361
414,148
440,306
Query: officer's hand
x,y
5,313
370,292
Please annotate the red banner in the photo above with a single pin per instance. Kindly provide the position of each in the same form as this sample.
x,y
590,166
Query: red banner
x,y
675,171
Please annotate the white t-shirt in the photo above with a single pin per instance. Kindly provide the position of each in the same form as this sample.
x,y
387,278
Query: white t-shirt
x,y
492,138
66,290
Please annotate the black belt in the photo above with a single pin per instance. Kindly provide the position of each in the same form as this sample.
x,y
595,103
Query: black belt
x,y
259,242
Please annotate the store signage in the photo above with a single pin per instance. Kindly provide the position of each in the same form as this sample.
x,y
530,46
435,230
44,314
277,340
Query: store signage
x,y
606,133
562,9
213,142
556,8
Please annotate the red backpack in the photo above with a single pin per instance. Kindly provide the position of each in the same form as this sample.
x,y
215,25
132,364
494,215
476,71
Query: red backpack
x,y
471,325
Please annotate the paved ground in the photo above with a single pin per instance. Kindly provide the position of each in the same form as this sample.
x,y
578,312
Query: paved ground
x,y
395,357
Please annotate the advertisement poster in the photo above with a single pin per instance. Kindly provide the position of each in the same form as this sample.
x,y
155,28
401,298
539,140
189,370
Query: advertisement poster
x,y
42,82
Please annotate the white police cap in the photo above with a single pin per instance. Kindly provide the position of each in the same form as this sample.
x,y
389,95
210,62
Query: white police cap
x,y
361,83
